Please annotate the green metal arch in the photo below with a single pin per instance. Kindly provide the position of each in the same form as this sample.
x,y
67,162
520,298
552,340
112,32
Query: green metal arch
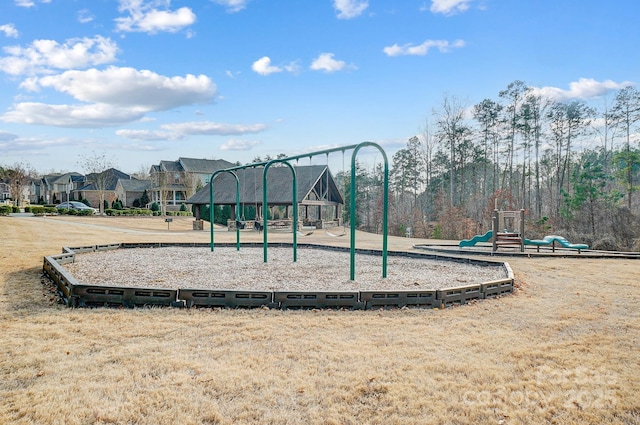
x,y
352,208
265,199
211,206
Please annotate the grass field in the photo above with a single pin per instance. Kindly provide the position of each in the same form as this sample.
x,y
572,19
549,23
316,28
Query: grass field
x,y
564,349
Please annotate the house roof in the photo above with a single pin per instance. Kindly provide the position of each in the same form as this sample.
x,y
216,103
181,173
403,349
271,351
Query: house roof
x,y
192,165
170,166
203,166
112,177
133,185
62,178
279,184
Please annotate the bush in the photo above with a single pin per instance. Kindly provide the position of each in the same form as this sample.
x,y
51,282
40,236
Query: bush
x,y
5,209
183,207
605,244
155,207
129,212
144,199
15,209
36,210
86,202
179,213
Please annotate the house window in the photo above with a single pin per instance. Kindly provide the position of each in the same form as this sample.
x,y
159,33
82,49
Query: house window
x,y
176,178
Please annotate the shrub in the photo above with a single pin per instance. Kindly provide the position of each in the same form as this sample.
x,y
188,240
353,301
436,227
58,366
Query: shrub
x,y
37,210
50,210
129,212
144,199
605,244
437,232
15,209
155,207
183,207
5,209
136,203
86,202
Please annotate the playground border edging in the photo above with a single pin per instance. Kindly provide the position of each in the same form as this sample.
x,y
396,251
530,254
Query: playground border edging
x,y
76,294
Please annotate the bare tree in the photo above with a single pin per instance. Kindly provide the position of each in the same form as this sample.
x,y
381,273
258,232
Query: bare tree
x,y
162,181
18,177
96,166
453,131
142,173
625,114
514,94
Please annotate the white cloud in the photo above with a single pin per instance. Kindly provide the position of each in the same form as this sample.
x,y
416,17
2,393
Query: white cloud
x,y
114,96
129,87
144,17
7,137
239,145
29,3
85,16
43,56
178,131
348,9
449,7
147,135
232,5
584,88
292,67
443,46
210,128
76,116
9,30
29,146
326,62
263,66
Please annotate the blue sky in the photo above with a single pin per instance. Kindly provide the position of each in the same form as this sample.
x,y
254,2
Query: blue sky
x,y
150,80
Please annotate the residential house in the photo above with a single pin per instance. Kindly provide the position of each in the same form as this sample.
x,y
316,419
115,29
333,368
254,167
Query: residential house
x,y
175,181
130,190
101,186
56,188
5,191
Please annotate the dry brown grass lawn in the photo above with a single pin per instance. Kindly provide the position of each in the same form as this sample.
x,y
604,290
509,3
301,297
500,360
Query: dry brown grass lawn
x,y
564,349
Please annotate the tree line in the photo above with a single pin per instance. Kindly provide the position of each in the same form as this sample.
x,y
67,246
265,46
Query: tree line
x,y
572,167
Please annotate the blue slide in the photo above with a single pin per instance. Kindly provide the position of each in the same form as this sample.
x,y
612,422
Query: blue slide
x,y
477,238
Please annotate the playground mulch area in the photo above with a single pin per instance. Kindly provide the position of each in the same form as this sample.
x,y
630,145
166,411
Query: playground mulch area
x,y
230,269
562,349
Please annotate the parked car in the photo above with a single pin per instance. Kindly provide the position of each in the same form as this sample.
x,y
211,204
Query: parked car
x,y
75,205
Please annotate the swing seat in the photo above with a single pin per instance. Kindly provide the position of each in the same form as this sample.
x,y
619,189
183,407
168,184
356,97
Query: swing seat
x,y
240,224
